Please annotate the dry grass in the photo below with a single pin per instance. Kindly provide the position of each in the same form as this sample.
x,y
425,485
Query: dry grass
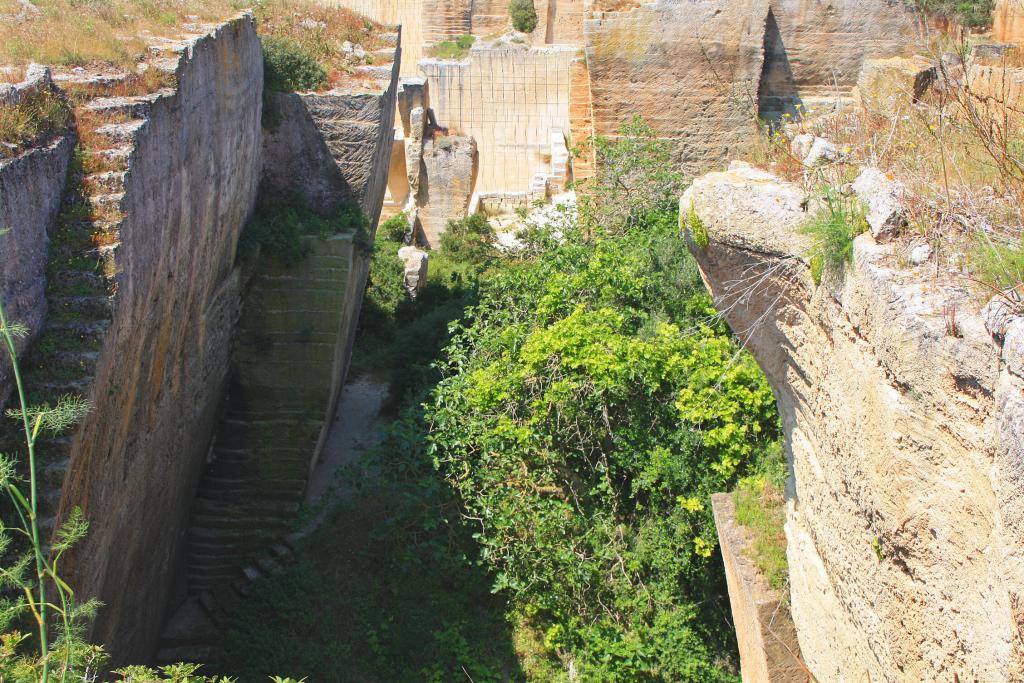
x,y
36,118
958,151
70,33
321,31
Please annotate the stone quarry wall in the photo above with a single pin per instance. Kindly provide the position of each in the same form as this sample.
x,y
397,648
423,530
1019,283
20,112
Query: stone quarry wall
x,y
509,100
31,187
695,68
137,457
690,68
905,521
295,331
1008,21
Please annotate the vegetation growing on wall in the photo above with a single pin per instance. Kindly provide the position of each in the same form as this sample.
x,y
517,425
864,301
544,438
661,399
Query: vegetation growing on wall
x,y
524,15
453,49
37,117
279,224
970,13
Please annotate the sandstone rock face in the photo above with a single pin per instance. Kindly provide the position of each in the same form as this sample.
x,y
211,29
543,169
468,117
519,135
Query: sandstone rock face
x,y
508,98
31,187
701,72
416,263
296,329
888,87
883,198
769,650
1008,21
159,378
451,165
905,512
334,148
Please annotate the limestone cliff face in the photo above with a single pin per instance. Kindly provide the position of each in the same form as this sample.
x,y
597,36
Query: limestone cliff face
x,y
702,71
905,521
1008,21
31,186
192,181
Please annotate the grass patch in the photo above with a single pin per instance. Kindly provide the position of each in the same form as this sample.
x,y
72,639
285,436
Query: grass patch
x,y
761,508
833,229
453,49
72,33
997,263
37,117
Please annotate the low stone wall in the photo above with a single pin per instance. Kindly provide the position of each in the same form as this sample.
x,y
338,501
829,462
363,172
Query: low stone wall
x,y
905,520
31,187
769,651
193,175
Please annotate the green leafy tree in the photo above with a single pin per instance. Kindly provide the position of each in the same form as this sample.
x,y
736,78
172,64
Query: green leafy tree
x,y
524,15
635,182
592,403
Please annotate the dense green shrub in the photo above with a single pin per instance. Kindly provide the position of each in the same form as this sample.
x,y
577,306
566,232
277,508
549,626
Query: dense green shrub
x,y
394,229
288,66
636,181
469,240
279,224
972,13
524,15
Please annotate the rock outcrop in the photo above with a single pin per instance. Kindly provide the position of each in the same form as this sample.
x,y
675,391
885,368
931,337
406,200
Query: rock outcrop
x,y
450,173
1008,21
905,521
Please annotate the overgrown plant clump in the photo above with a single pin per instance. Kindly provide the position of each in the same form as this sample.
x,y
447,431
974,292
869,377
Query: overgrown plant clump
x,y
591,404
969,13
469,240
280,223
37,117
288,66
761,508
838,222
524,15
453,49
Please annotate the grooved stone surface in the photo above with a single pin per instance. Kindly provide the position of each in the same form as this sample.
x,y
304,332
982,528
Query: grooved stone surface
x,y
905,517
159,379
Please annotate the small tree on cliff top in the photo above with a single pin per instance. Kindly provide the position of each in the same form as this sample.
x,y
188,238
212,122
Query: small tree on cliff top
x,y
524,15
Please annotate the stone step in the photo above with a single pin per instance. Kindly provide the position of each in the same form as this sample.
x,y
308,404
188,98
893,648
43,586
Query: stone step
x,y
63,387
106,201
136,107
78,280
49,500
85,330
115,156
51,474
82,307
121,133
83,362
110,181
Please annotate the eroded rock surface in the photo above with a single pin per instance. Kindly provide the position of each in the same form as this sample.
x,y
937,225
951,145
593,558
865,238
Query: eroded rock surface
x,y
905,515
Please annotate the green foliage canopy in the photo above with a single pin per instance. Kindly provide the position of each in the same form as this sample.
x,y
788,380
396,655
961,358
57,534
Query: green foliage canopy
x,y
524,15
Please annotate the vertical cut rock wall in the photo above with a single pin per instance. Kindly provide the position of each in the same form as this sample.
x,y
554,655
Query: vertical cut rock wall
x,y
31,187
696,70
905,525
137,457
509,101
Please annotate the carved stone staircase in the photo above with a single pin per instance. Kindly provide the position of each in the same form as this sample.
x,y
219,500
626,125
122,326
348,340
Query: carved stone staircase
x,y
83,271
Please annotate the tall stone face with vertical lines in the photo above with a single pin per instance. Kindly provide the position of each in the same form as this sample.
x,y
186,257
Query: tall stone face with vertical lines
x,y
702,71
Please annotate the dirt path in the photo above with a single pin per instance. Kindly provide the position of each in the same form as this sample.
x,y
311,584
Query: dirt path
x,y
355,428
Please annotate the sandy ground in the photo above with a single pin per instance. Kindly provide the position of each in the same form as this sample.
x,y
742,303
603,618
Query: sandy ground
x,y
356,427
